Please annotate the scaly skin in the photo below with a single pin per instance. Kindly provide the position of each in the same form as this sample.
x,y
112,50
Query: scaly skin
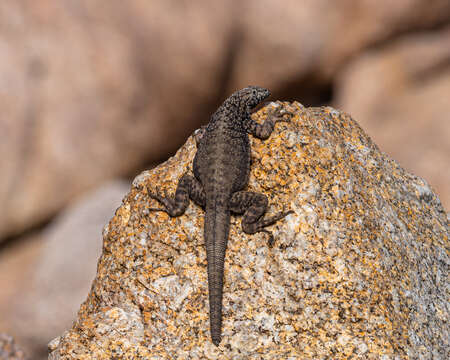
x,y
221,169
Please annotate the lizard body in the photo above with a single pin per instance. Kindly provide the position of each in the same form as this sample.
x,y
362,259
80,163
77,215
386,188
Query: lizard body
x,y
221,171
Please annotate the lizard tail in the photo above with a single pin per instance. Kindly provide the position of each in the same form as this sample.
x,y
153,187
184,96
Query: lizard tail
x,y
217,225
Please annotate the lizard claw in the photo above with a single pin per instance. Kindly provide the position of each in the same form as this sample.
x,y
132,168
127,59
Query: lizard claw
x,y
198,134
155,195
158,209
270,240
280,216
286,213
278,115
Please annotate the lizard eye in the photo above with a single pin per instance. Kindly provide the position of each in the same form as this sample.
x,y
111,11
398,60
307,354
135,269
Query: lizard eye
x,y
256,96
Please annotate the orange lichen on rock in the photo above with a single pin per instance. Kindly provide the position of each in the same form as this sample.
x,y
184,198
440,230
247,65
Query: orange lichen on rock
x,y
358,270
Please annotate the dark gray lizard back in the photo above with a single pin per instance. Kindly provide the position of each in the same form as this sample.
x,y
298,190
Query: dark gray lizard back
x,y
221,169
222,165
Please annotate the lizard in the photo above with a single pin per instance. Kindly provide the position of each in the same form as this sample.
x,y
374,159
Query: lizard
x,y
221,169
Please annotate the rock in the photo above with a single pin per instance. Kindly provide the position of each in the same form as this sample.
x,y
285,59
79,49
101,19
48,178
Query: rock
x,y
87,92
88,87
399,93
282,45
9,350
16,264
61,275
360,269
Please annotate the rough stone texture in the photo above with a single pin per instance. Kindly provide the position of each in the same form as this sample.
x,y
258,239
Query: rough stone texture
x,y
9,350
360,269
400,94
88,87
59,276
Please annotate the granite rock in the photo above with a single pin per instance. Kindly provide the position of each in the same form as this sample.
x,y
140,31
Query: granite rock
x,y
409,81
59,276
359,270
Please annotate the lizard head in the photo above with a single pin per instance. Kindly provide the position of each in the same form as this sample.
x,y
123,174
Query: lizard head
x,y
241,103
251,96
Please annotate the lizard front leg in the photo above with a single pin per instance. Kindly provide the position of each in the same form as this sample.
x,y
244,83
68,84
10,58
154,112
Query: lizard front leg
x,y
254,205
188,187
263,131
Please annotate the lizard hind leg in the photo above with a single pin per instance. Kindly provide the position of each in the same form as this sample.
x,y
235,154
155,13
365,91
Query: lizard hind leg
x,y
254,205
188,187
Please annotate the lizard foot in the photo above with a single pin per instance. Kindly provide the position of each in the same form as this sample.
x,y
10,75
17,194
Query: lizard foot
x,y
278,114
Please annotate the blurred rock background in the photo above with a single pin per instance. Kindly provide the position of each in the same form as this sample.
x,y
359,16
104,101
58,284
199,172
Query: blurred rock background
x,y
92,92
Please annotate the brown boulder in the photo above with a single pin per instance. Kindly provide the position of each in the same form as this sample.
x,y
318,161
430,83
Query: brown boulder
x,y
94,89
284,43
401,94
359,269
58,277
88,90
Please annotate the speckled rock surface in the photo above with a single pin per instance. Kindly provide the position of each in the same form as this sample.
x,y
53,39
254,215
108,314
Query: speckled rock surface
x,y
415,126
360,270
57,280
9,349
